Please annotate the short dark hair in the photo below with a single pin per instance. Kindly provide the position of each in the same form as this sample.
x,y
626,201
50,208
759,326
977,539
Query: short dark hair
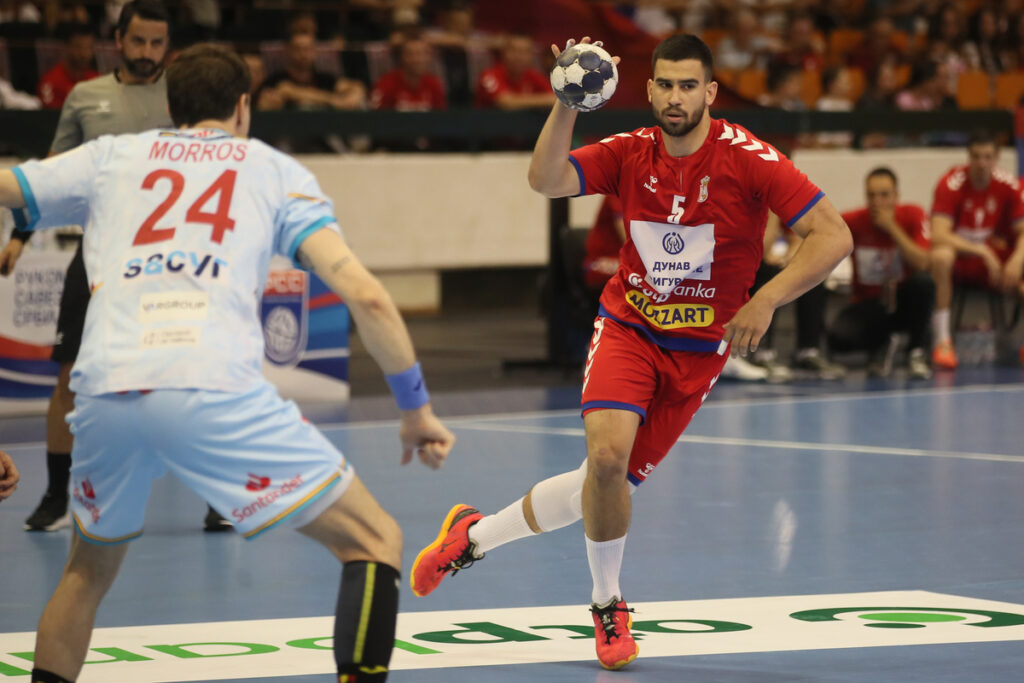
x,y
982,136
684,46
205,82
882,172
68,30
151,10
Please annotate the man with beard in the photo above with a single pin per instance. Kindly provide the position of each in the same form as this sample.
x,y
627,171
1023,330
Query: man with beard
x,y
132,99
695,195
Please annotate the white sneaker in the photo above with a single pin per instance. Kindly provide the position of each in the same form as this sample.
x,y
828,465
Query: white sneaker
x,y
742,369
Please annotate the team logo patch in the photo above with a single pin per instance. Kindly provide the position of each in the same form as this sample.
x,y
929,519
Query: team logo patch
x,y
285,318
673,243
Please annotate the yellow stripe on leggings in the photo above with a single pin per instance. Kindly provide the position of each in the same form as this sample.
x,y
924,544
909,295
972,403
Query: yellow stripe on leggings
x,y
364,615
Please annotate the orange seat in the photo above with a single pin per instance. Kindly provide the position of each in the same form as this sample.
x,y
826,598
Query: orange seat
x,y
810,87
857,83
751,83
841,42
974,90
727,77
1009,88
713,36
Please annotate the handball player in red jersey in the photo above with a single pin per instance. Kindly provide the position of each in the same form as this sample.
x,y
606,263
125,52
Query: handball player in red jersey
x,y
695,192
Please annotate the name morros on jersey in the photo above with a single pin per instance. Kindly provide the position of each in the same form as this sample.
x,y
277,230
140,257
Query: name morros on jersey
x,y
694,226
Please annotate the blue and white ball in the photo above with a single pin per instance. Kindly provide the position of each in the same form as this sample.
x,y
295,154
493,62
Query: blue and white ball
x,y
584,77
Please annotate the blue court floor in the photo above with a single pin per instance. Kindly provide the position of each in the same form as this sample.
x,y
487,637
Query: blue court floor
x,y
854,531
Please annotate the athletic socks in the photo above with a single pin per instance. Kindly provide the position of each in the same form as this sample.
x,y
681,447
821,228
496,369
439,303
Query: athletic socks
x,y
605,558
364,622
940,326
500,528
41,676
58,472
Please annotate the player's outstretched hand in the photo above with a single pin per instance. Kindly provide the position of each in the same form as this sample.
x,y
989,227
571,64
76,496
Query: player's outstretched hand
x,y
555,50
423,434
747,327
9,256
8,476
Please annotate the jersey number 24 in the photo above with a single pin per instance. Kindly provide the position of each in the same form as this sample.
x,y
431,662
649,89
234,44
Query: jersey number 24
x,y
219,221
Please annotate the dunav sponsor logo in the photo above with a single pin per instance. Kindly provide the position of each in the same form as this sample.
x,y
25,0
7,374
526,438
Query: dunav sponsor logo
x,y
267,499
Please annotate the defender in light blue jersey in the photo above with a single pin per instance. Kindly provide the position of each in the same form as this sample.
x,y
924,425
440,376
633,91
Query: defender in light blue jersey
x,y
180,225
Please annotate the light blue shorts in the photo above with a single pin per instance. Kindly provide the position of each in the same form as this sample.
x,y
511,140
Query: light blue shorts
x,y
251,456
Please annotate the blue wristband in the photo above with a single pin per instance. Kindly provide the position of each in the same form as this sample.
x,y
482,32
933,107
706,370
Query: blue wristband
x,y
409,389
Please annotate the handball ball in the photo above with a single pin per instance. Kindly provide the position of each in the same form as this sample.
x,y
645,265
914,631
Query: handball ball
x,y
584,77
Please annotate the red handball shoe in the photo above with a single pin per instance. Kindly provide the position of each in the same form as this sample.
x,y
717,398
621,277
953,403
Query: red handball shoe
x,y
943,356
615,645
451,551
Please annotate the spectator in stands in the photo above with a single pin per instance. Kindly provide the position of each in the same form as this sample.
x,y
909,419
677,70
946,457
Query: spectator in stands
x,y
257,73
879,94
77,66
456,29
837,90
302,86
984,50
947,42
977,231
515,83
13,11
804,46
879,46
200,20
892,288
785,88
928,89
411,86
746,47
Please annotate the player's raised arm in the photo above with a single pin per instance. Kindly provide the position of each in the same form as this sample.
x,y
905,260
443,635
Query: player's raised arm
x,y
385,336
551,173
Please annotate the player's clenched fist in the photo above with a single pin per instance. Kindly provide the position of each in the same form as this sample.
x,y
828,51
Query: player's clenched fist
x,y
8,476
746,328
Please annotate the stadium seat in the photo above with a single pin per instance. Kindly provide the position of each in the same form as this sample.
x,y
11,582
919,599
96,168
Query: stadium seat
x,y
810,87
857,83
974,90
751,83
713,36
1009,88
841,42
726,77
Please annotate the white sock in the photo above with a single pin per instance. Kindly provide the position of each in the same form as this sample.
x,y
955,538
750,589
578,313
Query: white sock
x,y
940,326
605,559
500,528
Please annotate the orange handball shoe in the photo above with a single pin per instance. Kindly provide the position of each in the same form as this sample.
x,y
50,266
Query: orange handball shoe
x,y
943,356
451,551
615,645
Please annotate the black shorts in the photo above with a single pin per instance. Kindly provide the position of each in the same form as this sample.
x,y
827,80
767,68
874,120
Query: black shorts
x,y
74,302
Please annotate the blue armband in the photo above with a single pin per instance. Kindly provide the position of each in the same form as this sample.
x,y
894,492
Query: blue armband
x,y
408,388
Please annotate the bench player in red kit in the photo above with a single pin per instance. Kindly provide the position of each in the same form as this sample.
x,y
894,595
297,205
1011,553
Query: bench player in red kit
x,y
695,195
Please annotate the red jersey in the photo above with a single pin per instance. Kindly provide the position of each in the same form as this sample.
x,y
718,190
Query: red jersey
x,y
603,240
393,91
876,258
57,83
979,215
694,226
496,81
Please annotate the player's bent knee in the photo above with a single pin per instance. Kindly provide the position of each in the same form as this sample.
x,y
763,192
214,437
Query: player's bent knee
x,y
607,463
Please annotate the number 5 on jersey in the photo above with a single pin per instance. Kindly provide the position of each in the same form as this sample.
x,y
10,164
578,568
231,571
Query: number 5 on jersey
x,y
219,220
677,209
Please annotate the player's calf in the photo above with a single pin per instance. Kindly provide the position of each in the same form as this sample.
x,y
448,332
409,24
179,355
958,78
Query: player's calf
x,y
364,625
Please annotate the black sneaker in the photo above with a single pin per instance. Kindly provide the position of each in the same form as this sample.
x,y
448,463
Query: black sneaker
x,y
214,522
51,515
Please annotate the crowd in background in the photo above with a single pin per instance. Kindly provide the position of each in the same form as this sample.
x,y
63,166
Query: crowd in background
x,y
429,54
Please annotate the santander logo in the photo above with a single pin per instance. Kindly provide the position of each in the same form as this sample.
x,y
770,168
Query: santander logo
x,y
257,483
88,490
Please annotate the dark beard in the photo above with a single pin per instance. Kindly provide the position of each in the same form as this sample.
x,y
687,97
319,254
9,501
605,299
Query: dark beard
x,y
683,128
141,68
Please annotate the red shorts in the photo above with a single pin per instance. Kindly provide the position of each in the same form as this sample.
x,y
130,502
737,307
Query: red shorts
x,y
627,371
972,271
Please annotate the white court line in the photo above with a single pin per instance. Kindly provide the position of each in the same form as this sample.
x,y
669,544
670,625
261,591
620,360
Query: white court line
x,y
727,403
766,443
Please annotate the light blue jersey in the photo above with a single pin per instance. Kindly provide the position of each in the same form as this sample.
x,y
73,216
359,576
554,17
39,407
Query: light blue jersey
x,y
180,227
